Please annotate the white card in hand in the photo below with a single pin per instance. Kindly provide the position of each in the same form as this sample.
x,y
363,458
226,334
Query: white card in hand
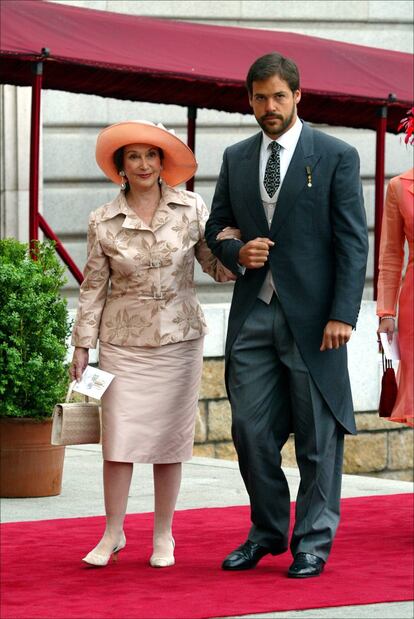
x,y
391,351
94,382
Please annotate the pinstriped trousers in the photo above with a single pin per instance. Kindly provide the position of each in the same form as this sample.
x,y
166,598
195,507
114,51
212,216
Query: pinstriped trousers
x,y
272,394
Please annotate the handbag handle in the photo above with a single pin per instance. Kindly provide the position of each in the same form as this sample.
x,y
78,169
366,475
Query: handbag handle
x,y
69,393
386,363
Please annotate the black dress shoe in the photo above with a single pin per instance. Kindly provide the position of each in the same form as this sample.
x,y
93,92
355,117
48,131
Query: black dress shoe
x,y
306,565
245,556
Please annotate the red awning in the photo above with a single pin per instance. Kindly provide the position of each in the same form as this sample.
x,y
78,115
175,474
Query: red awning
x,y
165,61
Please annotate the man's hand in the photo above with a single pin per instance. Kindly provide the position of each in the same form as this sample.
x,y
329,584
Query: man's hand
x,y
335,335
255,253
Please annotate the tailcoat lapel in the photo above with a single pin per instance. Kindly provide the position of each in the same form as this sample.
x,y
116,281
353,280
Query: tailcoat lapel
x,y
295,180
249,182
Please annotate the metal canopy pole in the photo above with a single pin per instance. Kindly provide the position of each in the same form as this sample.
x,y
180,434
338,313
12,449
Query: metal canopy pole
x,y
34,152
77,274
191,129
36,220
379,189
379,183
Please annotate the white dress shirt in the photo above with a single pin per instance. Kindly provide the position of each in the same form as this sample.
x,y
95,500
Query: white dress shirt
x,y
288,142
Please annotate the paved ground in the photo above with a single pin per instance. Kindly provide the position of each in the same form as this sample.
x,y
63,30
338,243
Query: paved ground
x,y
206,483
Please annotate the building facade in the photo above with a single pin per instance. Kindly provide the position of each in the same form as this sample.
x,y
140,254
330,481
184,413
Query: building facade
x,y
72,185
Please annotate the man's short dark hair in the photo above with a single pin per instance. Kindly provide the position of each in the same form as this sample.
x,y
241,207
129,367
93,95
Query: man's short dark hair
x,y
273,64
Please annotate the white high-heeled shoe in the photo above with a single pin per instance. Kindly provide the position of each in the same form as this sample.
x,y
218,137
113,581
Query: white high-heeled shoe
x,y
157,560
98,559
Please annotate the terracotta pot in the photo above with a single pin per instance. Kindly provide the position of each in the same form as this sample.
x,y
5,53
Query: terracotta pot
x,y
29,465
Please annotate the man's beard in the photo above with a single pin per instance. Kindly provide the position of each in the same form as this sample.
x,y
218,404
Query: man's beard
x,y
279,129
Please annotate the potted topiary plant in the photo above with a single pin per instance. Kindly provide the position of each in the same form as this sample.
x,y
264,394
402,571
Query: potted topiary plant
x,y
33,371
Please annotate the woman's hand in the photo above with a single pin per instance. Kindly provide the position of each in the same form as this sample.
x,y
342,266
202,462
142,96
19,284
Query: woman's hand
x,y
386,325
228,234
79,362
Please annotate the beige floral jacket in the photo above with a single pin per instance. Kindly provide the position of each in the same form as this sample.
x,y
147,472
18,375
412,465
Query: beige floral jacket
x,y
139,280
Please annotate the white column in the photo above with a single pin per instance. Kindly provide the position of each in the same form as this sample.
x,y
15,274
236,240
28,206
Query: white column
x,y
15,105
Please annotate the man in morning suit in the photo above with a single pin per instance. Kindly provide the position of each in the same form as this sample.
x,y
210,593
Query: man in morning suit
x,y
295,194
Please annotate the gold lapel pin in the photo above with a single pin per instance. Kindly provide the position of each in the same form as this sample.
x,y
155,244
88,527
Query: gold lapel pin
x,y
309,175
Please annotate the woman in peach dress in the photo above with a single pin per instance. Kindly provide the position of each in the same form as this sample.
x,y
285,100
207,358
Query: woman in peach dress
x,y
138,298
394,290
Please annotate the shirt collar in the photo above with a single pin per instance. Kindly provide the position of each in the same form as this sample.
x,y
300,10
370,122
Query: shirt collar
x,y
288,140
172,195
408,174
169,195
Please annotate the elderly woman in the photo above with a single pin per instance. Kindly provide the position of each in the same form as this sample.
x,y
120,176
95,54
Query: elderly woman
x,y
138,298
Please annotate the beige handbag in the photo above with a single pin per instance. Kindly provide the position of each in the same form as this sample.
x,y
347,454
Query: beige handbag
x,y
76,423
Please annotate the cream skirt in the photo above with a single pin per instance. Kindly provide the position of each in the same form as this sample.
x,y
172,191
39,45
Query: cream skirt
x,y
149,409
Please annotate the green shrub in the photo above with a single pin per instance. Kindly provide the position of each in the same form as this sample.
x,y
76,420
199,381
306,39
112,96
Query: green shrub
x,y
33,330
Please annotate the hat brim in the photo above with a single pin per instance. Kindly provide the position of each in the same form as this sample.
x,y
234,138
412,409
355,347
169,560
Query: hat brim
x,y
179,163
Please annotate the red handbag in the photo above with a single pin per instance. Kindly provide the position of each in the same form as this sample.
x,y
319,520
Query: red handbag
x,y
389,388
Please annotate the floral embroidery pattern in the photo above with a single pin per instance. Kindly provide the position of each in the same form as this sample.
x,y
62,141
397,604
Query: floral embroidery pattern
x,y
167,338
160,219
188,231
158,254
84,323
184,273
123,325
93,279
115,243
123,280
190,318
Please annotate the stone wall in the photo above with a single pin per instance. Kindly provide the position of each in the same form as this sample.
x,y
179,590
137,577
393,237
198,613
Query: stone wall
x,y
381,448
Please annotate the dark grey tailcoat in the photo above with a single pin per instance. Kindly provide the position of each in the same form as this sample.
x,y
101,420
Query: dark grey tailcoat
x,y
319,258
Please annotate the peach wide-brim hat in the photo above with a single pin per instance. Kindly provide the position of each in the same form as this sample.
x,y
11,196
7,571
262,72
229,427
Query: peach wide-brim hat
x,y
179,163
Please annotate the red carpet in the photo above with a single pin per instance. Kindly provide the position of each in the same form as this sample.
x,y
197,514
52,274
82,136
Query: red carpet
x,y
42,576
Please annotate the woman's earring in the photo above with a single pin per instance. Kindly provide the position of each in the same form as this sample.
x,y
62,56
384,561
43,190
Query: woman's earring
x,y
123,184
